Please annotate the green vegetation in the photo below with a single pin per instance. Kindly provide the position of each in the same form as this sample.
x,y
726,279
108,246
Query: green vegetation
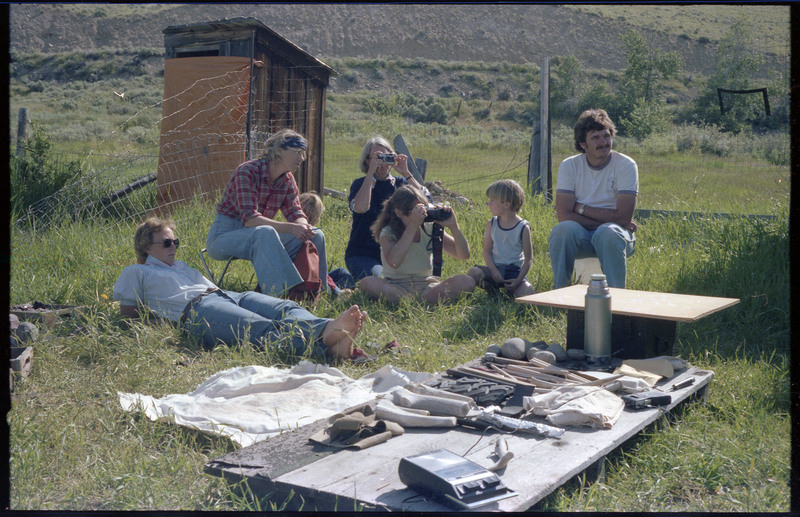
x,y
35,173
73,448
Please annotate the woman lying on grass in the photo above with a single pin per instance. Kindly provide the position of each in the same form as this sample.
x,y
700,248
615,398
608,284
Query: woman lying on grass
x,y
407,252
175,292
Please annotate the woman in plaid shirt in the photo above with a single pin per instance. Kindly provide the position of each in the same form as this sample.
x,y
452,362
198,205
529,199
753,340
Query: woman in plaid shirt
x,y
244,226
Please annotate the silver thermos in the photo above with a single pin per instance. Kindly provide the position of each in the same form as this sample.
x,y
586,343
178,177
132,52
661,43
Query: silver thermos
x,y
597,321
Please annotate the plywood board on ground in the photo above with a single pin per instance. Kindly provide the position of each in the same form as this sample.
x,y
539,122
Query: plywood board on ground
x,y
348,480
644,304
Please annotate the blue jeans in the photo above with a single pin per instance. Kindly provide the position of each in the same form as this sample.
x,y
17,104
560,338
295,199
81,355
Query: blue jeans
x,y
360,265
230,317
342,278
270,252
611,244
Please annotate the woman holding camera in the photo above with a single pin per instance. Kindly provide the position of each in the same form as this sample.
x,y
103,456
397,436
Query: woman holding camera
x,y
404,230
367,195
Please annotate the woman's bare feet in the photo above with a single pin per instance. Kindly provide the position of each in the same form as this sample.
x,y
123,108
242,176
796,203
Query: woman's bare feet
x,y
339,334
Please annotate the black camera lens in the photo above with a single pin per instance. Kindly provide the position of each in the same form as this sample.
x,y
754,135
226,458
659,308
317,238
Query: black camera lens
x,y
436,213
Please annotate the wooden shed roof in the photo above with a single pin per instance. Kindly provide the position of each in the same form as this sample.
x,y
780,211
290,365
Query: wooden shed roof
x,y
289,51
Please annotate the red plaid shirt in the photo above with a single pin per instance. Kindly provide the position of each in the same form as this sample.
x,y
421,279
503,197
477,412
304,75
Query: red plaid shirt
x,y
249,194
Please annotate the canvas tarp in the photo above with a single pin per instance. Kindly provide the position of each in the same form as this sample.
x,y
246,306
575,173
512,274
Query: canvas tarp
x,y
203,127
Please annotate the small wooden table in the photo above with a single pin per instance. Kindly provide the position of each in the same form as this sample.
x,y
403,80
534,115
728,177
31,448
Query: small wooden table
x,y
322,478
643,322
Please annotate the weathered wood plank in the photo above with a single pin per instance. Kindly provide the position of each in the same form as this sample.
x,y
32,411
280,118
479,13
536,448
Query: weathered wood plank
x,y
368,479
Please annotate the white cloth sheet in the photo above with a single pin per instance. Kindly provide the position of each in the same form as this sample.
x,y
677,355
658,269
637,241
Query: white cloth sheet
x,y
577,405
251,403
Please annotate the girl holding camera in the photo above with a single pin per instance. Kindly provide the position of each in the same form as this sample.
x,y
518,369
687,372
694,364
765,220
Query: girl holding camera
x,y
405,234
367,195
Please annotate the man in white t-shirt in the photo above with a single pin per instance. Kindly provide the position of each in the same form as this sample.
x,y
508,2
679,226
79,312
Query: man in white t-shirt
x,y
595,198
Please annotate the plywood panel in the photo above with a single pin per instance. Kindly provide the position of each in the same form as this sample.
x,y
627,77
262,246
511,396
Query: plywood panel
x,y
645,304
203,129
347,480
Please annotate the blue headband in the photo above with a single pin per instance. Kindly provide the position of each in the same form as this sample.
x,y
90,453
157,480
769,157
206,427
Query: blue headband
x,y
294,141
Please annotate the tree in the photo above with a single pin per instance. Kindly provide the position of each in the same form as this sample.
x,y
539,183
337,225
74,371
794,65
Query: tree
x,y
738,62
565,77
643,83
646,68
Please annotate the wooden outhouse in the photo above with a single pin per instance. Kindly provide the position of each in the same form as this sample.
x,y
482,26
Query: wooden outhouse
x,y
228,85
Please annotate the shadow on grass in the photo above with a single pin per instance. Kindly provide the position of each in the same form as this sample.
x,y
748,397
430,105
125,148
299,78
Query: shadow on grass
x,y
746,259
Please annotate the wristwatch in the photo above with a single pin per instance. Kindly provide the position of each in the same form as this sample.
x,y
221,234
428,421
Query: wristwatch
x,y
581,209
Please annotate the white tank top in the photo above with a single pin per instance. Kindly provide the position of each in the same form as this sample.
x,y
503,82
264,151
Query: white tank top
x,y
507,243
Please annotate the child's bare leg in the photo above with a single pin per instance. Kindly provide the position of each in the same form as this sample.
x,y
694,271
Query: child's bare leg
x,y
339,334
450,289
377,289
477,274
524,289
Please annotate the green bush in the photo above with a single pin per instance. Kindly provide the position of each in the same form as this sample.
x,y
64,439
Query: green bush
x,y
646,118
36,174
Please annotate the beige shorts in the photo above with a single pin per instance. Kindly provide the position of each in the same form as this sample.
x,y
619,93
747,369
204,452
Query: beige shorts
x,y
414,285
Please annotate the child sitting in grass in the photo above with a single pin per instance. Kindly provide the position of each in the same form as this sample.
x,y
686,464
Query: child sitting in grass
x,y
340,280
406,242
507,248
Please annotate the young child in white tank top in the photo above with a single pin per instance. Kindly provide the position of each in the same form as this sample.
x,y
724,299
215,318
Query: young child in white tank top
x,y
507,248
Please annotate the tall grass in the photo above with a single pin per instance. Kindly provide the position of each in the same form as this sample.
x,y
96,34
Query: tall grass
x,y
73,448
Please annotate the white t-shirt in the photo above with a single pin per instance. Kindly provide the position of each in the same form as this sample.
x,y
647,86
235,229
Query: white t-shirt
x,y
164,289
598,187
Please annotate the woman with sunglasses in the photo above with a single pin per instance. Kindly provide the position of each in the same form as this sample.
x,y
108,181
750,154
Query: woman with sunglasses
x,y
406,241
175,292
245,227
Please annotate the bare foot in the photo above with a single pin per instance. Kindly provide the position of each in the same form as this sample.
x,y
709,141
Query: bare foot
x,y
340,333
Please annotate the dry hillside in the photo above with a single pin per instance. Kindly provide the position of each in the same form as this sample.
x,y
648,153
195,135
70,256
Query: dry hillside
x,y
459,32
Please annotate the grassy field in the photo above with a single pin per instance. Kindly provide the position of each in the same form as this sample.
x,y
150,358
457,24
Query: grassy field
x,y
73,448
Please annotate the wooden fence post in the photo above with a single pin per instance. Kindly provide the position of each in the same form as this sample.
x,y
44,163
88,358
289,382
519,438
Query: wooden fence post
x,y
22,129
539,168
544,139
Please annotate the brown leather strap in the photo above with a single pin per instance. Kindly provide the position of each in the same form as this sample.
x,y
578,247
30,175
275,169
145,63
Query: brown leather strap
x,y
188,308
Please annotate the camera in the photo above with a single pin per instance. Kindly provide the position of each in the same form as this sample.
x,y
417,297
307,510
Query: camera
x,y
647,399
387,157
436,213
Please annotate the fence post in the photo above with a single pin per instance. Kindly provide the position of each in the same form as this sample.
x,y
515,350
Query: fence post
x,y
534,171
22,129
544,139
539,168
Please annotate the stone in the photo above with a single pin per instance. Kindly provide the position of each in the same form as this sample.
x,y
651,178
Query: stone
x,y
493,349
558,351
542,355
26,331
541,345
514,348
576,354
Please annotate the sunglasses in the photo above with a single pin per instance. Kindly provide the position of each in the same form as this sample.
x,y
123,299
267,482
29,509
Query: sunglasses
x,y
168,242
